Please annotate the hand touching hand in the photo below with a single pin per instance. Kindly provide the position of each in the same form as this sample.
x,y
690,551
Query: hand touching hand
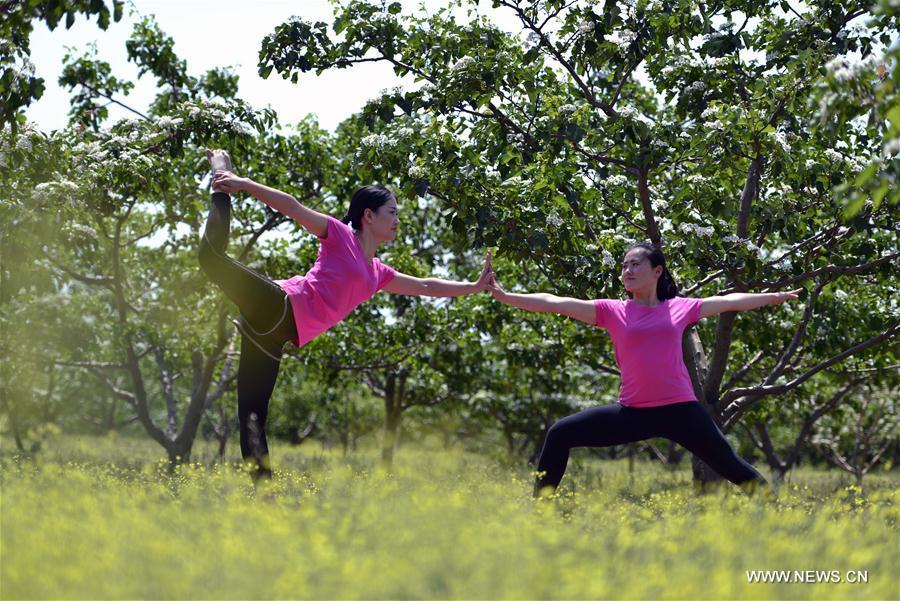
x,y
487,272
495,289
228,182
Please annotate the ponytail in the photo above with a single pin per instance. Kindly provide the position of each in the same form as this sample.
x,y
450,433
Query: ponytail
x,y
666,287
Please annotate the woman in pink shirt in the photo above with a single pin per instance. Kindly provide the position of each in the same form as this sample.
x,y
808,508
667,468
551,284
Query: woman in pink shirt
x,y
656,398
272,312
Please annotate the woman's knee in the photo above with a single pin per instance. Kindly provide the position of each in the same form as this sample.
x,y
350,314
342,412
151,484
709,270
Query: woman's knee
x,y
207,256
557,435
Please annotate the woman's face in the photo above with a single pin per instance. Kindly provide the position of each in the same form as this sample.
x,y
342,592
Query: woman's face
x,y
637,272
384,221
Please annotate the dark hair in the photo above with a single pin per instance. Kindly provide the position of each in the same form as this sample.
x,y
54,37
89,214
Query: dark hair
x,y
367,197
665,285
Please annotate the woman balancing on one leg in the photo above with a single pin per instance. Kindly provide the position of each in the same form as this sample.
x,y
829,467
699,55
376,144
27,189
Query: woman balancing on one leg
x,y
345,274
656,398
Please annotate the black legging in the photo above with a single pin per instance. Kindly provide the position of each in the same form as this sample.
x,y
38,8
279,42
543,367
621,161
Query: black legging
x,y
267,323
687,424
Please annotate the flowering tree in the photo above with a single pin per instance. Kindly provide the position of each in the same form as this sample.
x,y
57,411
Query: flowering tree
x,y
19,84
697,126
109,218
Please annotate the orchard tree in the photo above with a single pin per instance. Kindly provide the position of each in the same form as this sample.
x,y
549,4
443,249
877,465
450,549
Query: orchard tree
x,y
19,84
109,217
855,438
693,125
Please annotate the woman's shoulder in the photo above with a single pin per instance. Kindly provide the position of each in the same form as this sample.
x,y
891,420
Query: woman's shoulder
x,y
337,230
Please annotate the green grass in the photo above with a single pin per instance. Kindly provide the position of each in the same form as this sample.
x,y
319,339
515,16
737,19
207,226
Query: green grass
x,y
102,518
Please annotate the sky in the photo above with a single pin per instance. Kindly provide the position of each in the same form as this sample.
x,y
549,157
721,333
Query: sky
x,y
212,34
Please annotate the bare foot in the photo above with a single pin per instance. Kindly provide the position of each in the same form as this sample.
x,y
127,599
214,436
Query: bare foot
x,y
218,160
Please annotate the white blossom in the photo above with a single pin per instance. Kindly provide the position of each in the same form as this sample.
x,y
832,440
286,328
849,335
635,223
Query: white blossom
x,y
24,144
554,220
391,91
241,128
714,125
617,180
695,178
515,138
810,163
463,63
698,86
58,187
692,228
567,108
628,112
710,112
623,39
416,172
607,259
716,61
533,38
781,140
82,230
841,295
834,156
586,27
3,162
27,67
785,263
376,141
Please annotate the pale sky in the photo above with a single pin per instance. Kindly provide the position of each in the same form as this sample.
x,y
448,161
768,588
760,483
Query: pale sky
x,y
218,33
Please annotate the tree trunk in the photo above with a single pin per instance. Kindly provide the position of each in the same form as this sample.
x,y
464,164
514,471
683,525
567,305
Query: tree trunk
x,y
223,440
394,392
391,425
698,368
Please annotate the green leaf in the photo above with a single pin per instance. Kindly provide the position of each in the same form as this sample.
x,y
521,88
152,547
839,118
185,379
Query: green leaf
x,y
867,174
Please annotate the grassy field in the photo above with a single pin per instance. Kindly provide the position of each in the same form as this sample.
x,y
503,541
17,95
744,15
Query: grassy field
x,y
103,519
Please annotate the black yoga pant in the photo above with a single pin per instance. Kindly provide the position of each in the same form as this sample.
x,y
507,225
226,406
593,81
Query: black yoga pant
x,y
265,308
687,424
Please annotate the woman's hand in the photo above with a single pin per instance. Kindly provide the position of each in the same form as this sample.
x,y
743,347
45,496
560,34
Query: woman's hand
x,y
780,297
487,272
495,289
228,182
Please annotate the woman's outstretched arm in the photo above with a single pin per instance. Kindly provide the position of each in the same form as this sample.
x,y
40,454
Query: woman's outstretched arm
x,y
740,301
541,302
316,223
410,285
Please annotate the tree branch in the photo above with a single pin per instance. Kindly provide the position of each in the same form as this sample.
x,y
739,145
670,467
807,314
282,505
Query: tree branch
x,y
546,43
837,269
798,335
747,397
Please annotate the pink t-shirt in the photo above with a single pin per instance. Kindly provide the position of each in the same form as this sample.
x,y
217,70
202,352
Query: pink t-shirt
x,y
647,343
341,279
